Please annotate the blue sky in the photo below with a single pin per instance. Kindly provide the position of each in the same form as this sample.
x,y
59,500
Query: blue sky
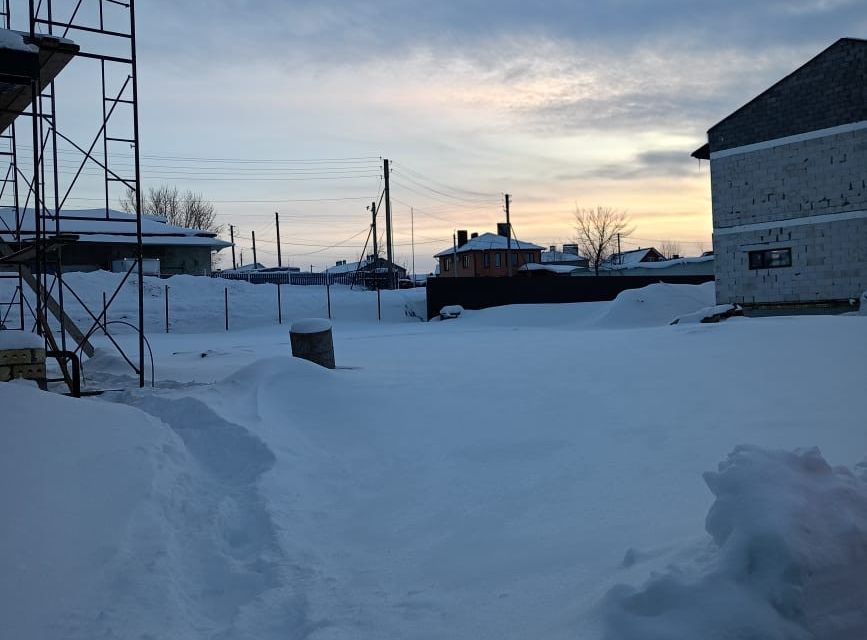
x,y
556,103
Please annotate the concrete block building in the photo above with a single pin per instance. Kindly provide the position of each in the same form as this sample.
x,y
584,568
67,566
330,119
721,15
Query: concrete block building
x,y
789,186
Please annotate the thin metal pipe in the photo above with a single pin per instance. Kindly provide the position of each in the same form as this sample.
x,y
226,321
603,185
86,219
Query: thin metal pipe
x,y
141,338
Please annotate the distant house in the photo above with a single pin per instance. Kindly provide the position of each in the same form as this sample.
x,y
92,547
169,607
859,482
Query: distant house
x,y
485,255
369,272
632,258
696,266
569,256
789,196
245,268
101,240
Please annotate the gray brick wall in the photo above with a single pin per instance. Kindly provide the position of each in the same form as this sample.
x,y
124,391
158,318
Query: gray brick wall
x,y
801,179
829,90
829,262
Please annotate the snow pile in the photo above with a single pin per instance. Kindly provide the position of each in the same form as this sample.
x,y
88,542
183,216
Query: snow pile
x,y
16,339
655,305
451,311
709,314
15,40
75,480
789,558
118,524
311,325
652,306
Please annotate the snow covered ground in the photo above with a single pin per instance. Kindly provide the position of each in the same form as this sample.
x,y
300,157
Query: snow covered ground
x,y
523,472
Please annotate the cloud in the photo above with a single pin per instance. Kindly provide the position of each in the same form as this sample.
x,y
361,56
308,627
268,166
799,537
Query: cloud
x,y
674,163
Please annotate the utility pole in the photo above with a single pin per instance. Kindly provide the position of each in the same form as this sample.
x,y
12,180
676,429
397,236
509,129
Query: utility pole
x,y
388,231
255,261
373,226
232,237
242,257
412,239
508,239
279,253
375,259
619,254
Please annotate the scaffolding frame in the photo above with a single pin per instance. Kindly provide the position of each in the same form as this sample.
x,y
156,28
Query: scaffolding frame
x,y
41,264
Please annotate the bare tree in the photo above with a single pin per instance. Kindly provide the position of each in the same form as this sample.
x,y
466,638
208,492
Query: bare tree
x,y
184,209
597,230
670,248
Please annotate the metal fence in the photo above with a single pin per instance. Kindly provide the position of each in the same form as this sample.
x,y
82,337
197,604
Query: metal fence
x,y
304,279
481,293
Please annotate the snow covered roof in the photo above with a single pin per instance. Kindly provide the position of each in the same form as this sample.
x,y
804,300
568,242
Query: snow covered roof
x,y
553,268
15,40
245,268
628,258
489,241
348,267
352,267
661,264
92,226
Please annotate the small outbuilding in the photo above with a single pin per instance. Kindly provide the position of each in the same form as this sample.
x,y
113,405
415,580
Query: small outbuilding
x,y
99,239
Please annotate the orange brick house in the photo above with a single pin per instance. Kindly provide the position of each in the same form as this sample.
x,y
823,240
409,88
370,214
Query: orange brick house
x,y
484,255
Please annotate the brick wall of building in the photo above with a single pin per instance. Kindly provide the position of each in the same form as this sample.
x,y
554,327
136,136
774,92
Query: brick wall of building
x,y
812,177
829,263
475,263
829,90
803,180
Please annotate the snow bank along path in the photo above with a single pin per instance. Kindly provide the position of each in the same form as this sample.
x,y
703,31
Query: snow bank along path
x,y
494,476
197,303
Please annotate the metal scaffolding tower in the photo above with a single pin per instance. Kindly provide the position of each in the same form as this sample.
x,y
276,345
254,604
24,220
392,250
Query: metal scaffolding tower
x,y
45,170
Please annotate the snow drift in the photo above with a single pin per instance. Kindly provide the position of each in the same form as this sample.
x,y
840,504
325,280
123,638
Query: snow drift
x,y
121,525
788,560
655,305
198,303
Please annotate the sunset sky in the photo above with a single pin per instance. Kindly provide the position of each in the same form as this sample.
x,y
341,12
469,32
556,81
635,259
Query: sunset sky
x,y
288,106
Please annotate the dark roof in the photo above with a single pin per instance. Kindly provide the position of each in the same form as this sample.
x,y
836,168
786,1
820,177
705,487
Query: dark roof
x,y
828,90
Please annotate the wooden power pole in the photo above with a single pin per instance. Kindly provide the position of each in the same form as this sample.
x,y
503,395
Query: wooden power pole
x,y
279,253
389,248
255,261
232,238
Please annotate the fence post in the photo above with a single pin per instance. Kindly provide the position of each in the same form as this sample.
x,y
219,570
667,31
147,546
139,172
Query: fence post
x,y
167,308
226,292
328,293
104,315
279,306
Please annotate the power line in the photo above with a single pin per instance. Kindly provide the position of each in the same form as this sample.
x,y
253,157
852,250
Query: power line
x,y
445,186
420,184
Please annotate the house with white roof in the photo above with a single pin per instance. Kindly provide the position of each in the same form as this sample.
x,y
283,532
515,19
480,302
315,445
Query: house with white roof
x,y
632,258
96,238
485,255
